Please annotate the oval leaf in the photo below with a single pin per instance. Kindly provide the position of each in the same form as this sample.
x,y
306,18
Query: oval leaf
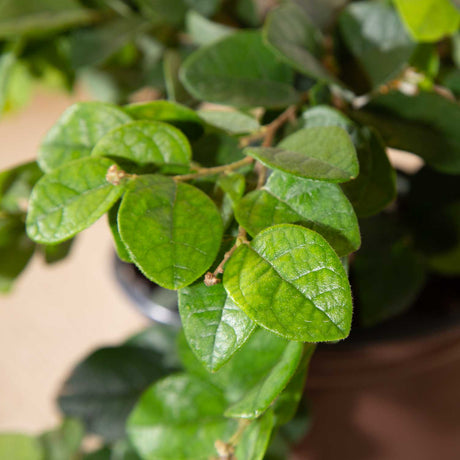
x,y
323,153
145,142
172,231
309,300
231,121
70,199
318,205
221,73
77,131
214,326
180,417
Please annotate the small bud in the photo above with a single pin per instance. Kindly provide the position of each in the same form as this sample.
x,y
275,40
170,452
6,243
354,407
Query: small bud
x,y
210,279
115,175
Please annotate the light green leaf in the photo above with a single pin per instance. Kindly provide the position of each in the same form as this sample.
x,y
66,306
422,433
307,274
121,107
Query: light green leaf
x,y
8,60
429,20
221,72
179,418
255,439
169,112
63,442
318,205
323,115
323,153
375,186
425,124
76,132
120,247
19,446
203,31
29,17
231,121
214,326
70,199
290,281
103,388
172,230
296,40
374,34
145,142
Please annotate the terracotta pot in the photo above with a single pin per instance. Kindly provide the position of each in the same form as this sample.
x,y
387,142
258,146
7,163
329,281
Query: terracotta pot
x,y
397,400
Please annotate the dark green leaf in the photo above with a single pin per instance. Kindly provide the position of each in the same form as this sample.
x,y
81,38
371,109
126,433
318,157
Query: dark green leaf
x,y
120,247
296,40
76,132
63,442
290,281
376,37
163,11
318,205
239,70
214,326
323,153
172,230
204,7
322,12
173,113
429,20
203,31
70,199
103,388
56,252
179,417
172,62
425,124
19,446
145,142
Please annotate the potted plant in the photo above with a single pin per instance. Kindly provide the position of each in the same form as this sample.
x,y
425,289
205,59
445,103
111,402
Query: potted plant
x,y
255,213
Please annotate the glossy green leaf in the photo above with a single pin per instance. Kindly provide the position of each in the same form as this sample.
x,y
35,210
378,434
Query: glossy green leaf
x,y
239,70
203,31
375,186
64,441
70,199
172,230
231,121
19,446
16,185
169,112
323,153
323,115
429,20
425,124
29,17
145,142
290,281
374,34
120,247
264,361
290,33
318,205
103,388
255,439
179,418
76,132
214,326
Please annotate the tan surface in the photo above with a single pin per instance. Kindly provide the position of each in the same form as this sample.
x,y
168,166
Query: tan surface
x,y
56,314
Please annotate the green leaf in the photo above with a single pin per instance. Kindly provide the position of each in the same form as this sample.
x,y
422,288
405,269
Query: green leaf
x,y
322,12
425,124
179,418
203,31
163,11
120,247
175,90
76,132
323,153
8,60
214,326
70,199
56,252
29,17
231,121
318,205
64,441
374,34
375,186
19,446
222,73
323,115
145,142
255,439
296,40
172,230
429,20
233,185
290,281
205,7
103,388
16,185
169,112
